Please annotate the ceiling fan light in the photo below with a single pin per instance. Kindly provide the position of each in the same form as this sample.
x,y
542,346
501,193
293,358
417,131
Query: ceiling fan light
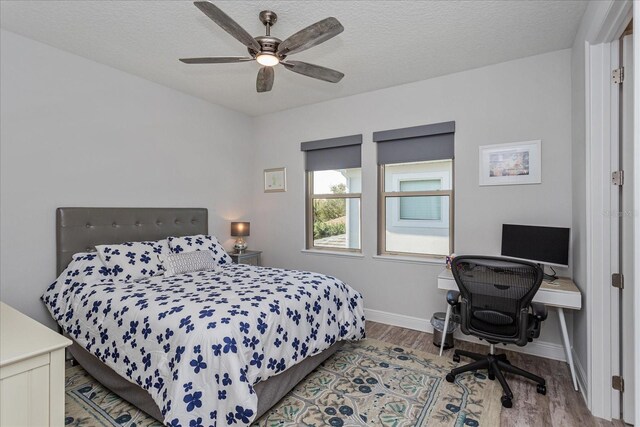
x,y
267,59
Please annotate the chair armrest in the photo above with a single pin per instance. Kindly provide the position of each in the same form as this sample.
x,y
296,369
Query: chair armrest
x,y
539,310
453,298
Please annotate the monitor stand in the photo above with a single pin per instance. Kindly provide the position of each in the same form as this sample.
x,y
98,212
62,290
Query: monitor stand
x,y
548,277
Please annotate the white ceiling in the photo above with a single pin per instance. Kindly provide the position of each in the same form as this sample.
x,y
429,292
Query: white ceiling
x,y
385,43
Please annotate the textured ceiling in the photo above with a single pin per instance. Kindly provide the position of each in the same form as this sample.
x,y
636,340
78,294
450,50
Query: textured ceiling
x,y
385,43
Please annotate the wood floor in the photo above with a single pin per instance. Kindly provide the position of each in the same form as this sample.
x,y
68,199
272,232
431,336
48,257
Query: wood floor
x,y
562,406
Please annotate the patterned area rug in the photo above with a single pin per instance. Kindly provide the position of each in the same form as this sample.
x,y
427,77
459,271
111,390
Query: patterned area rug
x,y
368,383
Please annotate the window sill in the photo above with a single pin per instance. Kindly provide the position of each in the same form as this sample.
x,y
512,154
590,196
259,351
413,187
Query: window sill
x,y
333,253
409,259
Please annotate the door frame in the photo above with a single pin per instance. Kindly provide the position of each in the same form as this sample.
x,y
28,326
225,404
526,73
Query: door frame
x,y
636,178
602,115
628,254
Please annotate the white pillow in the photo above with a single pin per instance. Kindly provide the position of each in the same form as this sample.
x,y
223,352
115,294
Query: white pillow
x,y
200,242
133,260
187,262
84,266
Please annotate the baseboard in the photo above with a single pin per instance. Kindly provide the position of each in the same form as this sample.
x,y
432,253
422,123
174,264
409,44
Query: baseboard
x,y
393,319
537,348
581,376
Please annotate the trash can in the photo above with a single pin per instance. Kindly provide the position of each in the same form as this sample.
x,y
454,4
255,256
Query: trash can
x,y
437,321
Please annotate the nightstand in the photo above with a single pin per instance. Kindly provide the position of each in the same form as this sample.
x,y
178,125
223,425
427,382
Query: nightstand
x,y
31,371
246,257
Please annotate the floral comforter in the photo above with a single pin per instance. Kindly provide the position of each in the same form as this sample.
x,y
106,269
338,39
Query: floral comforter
x,y
198,342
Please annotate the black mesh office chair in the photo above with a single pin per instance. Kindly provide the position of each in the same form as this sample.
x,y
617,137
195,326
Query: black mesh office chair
x,y
494,304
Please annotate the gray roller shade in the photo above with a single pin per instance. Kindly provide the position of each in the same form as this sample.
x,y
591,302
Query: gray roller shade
x,y
416,144
334,153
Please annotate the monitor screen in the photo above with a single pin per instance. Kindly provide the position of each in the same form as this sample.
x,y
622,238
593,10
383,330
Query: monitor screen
x,y
547,245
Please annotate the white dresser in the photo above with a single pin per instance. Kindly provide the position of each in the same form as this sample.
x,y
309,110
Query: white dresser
x,y
31,371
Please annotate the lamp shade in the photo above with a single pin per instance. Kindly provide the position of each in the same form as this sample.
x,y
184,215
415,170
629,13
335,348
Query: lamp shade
x,y
240,229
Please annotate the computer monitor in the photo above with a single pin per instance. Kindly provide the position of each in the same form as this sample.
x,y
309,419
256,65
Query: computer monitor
x,y
544,245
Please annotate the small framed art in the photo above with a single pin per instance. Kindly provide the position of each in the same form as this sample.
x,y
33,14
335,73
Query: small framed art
x,y
510,164
275,180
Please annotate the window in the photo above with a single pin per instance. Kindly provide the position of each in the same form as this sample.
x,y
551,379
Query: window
x,y
334,183
415,182
335,209
416,208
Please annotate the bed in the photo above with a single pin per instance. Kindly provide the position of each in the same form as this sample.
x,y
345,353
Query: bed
x,y
81,229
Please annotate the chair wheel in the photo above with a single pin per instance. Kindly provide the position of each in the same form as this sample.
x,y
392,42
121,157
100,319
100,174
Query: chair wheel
x,y
491,376
450,377
456,357
542,389
506,402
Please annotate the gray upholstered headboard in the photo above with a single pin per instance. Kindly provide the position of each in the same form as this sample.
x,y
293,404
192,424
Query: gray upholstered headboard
x,y
80,229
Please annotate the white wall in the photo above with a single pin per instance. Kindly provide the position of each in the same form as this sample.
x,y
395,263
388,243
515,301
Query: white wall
x,y
578,194
77,133
520,100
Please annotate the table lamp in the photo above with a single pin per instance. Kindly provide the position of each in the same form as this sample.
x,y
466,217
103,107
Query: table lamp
x,y
240,230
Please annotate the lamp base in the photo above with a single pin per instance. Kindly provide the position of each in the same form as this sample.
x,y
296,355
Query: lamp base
x,y
240,245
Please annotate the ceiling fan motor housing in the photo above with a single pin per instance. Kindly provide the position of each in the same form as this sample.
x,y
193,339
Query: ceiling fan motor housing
x,y
268,44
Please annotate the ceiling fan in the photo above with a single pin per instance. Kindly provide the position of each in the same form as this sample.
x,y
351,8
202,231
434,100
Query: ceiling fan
x,y
270,51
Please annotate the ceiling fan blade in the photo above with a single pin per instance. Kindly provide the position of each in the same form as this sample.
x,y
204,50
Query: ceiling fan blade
x,y
227,24
315,71
311,36
216,60
264,83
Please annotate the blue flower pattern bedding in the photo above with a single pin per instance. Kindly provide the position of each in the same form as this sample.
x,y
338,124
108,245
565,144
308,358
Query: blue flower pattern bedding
x,y
198,342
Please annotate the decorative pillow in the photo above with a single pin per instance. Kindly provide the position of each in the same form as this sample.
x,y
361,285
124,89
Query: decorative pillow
x,y
133,260
85,264
200,242
187,262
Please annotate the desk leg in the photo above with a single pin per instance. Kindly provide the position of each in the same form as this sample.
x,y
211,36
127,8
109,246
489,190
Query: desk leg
x,y
446,326
567,346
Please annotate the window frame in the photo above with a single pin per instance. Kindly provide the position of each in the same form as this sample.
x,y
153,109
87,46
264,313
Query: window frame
x,y
382,212
309,217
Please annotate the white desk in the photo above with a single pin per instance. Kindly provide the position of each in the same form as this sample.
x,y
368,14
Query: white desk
x,y
559,294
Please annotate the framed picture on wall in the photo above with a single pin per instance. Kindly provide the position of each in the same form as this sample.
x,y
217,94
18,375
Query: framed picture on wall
x,y
510,164
275,180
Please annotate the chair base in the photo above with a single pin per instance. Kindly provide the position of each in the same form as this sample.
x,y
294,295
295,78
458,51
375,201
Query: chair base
x,y
496,365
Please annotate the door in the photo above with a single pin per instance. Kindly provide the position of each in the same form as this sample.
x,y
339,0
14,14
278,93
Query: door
x,y
627,218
